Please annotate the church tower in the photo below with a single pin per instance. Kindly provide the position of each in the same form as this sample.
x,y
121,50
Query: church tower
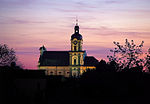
x,y
72,63
76,53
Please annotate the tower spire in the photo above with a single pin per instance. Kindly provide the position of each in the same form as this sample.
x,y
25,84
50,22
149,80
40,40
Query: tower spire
x,y
76,28
76,21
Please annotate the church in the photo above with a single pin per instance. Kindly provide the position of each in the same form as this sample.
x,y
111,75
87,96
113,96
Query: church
x,y
72,63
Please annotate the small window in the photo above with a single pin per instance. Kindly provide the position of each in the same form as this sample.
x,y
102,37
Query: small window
x,y
51,72
59,72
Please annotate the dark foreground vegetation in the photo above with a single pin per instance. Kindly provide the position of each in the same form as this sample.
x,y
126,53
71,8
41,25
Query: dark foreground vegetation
x,y
120,81
99,86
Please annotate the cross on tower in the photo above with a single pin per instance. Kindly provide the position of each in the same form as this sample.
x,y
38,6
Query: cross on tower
x,y
76,21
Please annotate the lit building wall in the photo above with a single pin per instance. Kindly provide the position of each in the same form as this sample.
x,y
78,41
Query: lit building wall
x,y
65,71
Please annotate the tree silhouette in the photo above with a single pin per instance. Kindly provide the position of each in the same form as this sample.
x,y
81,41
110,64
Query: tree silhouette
x,y
113,66
7,55
147,60
128,55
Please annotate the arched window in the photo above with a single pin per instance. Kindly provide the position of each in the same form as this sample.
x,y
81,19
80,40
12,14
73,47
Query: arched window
x,y
75,48
75,61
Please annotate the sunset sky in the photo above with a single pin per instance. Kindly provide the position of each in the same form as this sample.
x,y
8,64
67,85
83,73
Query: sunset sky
x,y
26,25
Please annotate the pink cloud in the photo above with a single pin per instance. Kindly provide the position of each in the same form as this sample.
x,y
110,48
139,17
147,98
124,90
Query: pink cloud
x,y
19,21
114,1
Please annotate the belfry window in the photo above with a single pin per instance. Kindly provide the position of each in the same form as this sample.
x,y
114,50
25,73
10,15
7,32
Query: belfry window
x,y
75,48
75,61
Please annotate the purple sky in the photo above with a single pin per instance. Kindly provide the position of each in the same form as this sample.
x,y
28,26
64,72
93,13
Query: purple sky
x,y
25,25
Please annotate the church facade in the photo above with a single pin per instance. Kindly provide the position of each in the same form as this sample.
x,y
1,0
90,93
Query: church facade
x,y
67,63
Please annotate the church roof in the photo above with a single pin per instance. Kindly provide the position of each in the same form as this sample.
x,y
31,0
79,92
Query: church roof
x,y
61,58
55,58
90,61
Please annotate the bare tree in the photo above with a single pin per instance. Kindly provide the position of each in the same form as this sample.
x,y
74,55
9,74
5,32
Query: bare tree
x,y
147,61
7,55
128,55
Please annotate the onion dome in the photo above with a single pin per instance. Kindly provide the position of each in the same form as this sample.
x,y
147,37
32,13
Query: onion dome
x,y
76,33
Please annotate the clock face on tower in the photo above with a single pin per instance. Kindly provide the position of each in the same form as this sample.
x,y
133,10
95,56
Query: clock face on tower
x,y
75,42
